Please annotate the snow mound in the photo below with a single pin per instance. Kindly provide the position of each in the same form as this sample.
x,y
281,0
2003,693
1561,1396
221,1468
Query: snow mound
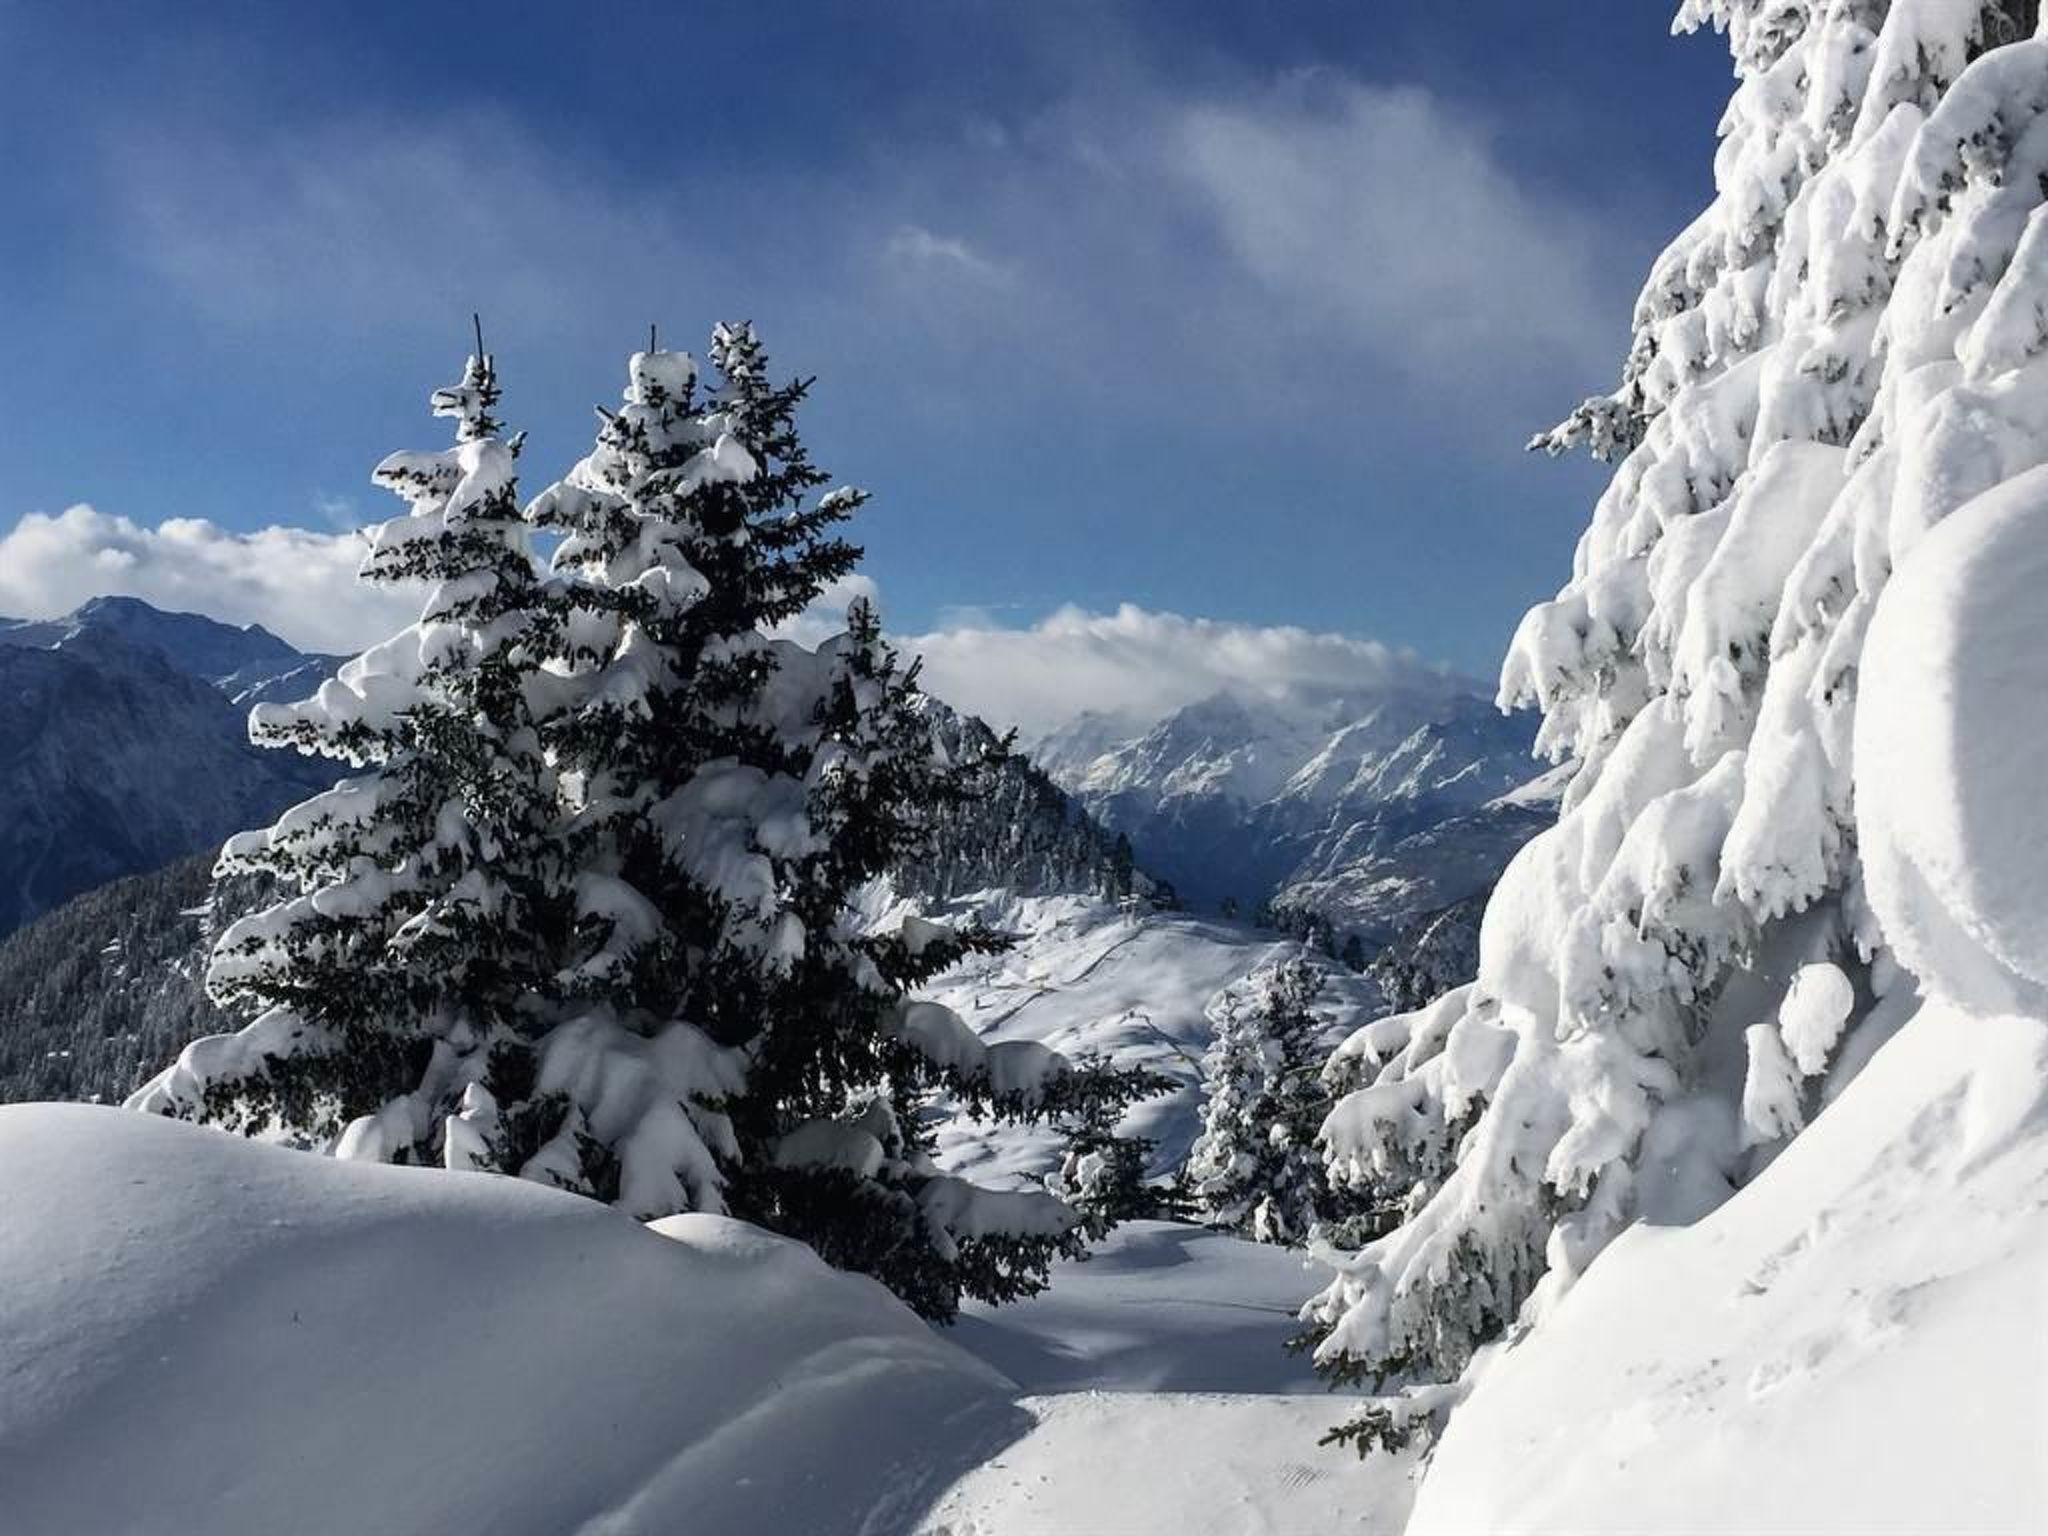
x,y
201,1333
1950,745
1851,1343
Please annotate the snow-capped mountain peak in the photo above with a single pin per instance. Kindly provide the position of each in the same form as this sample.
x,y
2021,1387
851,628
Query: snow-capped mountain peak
x,y
1305,799
247,662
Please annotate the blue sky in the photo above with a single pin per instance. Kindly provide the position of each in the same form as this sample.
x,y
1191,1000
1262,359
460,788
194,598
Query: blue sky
x,y
1220,311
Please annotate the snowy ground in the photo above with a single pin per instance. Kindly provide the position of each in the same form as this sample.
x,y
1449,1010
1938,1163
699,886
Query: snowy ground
x,y
1163,1401
1852,1343
1187,1464
202,1333
198,1333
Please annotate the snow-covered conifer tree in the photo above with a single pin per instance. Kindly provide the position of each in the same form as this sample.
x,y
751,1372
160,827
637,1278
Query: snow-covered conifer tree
x,y
1840,352
1255,1168
422,896
735,792
589,917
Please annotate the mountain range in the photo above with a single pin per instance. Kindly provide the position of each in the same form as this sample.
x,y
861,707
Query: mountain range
x,y
122,744
1368,811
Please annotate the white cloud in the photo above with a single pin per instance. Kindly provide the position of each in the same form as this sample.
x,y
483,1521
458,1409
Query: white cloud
x,y
1135,664
295,582
918,249
1139,665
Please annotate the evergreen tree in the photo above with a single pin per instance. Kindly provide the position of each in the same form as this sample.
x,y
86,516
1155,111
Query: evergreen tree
x,y
1823,368
1103,1173
1255,1168
419,898
590,920
1122,868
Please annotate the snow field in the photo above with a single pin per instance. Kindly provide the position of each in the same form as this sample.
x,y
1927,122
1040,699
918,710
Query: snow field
x,y
1141,990
203,1333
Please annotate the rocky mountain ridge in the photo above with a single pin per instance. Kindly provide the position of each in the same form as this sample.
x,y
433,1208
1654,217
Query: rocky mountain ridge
x,y
1369,811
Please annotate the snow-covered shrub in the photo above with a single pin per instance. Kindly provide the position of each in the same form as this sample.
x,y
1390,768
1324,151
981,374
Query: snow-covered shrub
x,y
1844,349
1255,1167
586,917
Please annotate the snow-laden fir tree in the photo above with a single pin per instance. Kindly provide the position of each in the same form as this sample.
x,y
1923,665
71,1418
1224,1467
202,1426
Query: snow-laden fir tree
x,y
733,793
421,898
1255,1167
674,1007
1840,352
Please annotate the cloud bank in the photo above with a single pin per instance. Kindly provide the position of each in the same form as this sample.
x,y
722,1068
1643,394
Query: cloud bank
x,y
1134,664
295,582
1139,665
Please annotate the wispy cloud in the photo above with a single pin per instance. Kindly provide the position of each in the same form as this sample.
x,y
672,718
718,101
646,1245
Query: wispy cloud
x,y
1145,240
918,249
383,222
1390,213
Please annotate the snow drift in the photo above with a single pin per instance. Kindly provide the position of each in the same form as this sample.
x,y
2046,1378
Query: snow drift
x,y
1952,753
1852,1343
203,1333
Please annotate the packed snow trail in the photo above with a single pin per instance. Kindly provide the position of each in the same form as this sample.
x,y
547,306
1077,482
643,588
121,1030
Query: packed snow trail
x,y
1164,1401
1173,1464
1160,1392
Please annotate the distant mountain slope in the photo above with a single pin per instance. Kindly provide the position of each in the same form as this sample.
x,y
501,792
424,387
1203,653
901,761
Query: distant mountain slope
x,y
1370,812
112,761
123,744
1025,834
100,993
1140,987
249,664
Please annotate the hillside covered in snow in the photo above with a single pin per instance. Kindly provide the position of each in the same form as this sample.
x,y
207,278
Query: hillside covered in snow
x,y
1139,988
